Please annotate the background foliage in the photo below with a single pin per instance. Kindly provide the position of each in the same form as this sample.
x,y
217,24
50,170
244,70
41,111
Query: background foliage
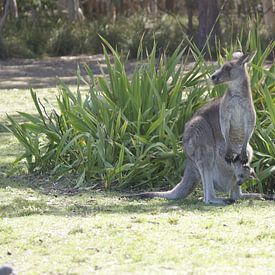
x,y
44,29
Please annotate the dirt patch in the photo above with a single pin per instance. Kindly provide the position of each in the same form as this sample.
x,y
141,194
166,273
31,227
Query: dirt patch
x,y
44,73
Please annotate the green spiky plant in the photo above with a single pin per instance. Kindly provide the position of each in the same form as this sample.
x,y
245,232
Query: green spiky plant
x,y
126,132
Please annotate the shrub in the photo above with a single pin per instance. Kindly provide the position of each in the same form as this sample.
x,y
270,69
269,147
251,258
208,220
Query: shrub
x,y
63,41
124,35
27,39
126,132
3,49
46,34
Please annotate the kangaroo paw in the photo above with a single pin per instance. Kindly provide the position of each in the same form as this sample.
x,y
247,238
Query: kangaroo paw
x,y
244,157
229,157
237,158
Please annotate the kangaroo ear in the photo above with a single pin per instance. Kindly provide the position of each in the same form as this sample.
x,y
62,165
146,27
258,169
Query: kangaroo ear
x,y
238,54
246,58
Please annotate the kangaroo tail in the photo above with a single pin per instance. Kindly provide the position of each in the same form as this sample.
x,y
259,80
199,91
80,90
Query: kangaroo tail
x,y
181,190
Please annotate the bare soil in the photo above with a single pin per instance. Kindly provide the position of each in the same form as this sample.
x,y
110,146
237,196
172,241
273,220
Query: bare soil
x,y
44,73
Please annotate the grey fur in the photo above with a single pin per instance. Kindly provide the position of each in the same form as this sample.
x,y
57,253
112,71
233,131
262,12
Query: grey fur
x,y
237,113
214,134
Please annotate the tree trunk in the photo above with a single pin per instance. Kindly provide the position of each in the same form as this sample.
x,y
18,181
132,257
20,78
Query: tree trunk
x,y
269,15
208,24
154,7
3,19
162,5
72,6
61,6
191,6
13,8
190,21
170,4
74,11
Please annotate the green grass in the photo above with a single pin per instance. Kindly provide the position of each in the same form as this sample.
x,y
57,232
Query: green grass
x,y
47,228
11,102
19,100
88,232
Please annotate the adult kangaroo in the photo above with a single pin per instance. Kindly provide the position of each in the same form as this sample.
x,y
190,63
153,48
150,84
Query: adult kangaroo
x,y
214,134
237,113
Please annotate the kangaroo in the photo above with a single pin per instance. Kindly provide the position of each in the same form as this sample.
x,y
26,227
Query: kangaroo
x,y
227,178
237,113
210,138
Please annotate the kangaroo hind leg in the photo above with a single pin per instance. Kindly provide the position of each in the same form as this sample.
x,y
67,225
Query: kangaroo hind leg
x,y
205,166
208,188
199,144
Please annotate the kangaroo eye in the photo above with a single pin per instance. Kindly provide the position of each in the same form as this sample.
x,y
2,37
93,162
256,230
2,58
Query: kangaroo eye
x,y
227,68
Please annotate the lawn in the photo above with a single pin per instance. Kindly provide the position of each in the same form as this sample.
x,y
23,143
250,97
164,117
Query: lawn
x,y
46,228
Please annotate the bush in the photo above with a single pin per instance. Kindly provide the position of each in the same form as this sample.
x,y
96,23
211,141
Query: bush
x,y
27,39
3,49
124,35
125,133
64,40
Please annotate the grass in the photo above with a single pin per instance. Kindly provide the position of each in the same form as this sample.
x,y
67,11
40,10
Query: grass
x,y
88,232
21,101
46,228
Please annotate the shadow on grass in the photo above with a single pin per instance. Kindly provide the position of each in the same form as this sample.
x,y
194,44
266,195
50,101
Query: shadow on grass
x,y
39,196
27,198
19,206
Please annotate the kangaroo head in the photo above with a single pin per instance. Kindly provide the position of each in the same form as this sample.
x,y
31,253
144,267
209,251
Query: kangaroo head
x,y
243,172
232,70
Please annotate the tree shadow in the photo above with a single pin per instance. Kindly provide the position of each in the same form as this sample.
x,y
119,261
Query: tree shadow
x,y
19,206
30,198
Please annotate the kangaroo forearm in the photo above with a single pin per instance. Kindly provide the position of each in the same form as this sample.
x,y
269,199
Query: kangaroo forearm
x,y
225,126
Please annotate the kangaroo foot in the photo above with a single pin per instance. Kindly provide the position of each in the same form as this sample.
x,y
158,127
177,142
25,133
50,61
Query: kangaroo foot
x,y
219,201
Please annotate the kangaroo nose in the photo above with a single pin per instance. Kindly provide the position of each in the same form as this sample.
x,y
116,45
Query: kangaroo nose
x,y
213,77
